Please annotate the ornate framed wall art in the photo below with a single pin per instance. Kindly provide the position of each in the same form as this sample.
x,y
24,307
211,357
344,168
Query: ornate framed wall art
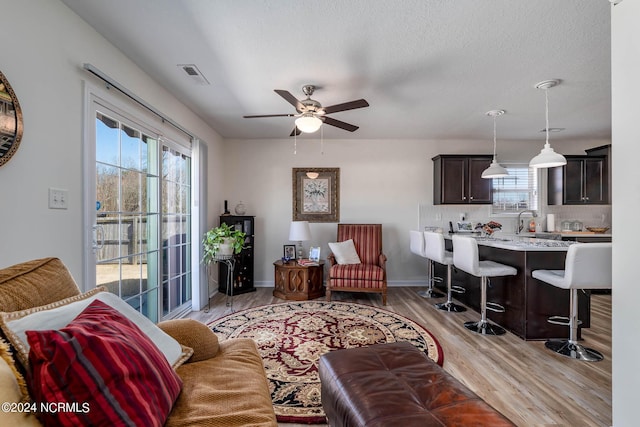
x,y
316,194
10,121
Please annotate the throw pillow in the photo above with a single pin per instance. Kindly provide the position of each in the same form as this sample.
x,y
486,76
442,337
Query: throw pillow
x,y
195,335
60,313
104,371
14,413
345,252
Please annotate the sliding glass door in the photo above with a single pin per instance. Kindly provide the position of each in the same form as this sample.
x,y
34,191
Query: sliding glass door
x,y
141,233
176,229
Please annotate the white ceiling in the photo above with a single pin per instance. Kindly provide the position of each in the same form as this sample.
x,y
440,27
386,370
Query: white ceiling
x,y
430,69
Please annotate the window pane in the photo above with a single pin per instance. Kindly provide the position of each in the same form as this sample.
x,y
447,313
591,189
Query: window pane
x,y
516,192
131,148
107,145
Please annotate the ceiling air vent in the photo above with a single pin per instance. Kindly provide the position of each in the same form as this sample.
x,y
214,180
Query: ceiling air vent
x,y
194,73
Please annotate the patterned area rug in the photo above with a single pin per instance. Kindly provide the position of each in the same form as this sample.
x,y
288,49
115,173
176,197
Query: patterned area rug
x,y
292,336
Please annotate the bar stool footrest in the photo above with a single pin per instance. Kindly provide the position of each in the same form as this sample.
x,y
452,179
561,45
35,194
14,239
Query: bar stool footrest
x,y
458,289
495,307
561,320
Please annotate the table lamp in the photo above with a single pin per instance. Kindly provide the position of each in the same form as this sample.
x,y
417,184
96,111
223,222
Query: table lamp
x,y
299,231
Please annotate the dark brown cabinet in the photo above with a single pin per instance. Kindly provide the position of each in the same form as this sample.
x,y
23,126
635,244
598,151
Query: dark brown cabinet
x,y
583,180
242,277
298,282
457,179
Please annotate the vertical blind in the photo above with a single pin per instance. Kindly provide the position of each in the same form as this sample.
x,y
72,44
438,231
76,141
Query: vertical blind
x,y
516,192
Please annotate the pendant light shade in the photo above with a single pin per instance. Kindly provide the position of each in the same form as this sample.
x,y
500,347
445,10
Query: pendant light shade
x,y
495,170
547,158
308,123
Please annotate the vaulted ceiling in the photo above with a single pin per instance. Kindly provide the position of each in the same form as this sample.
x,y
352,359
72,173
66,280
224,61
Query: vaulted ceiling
x,y
430,69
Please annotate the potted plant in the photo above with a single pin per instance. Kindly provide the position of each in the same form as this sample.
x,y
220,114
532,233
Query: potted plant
x,y
224,240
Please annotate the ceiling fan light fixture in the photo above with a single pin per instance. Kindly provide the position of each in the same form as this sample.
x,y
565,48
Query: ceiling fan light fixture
x,y
495,169
547,158
308,123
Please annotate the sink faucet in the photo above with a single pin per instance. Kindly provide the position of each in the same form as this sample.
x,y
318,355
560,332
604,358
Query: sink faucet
x,y
520,224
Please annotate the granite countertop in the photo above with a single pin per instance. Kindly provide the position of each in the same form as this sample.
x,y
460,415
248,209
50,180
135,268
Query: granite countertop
x,y
569,234
519,242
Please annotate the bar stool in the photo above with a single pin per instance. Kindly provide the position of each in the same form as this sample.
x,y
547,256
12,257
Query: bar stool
x,y
435,251
587,266
466,258
417,246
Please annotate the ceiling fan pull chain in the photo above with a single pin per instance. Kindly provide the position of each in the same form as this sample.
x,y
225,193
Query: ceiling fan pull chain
x,y
295,142
322,141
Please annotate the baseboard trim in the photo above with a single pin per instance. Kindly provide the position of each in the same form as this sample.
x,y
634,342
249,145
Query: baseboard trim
x,y
390,283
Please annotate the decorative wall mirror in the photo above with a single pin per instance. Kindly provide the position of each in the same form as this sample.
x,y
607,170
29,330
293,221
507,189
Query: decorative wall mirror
x,y
10,121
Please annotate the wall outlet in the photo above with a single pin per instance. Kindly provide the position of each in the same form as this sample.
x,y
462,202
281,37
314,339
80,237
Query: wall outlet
x,y
58,198
438,216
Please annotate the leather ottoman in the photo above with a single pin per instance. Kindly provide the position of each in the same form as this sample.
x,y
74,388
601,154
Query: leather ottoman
x,y
396,384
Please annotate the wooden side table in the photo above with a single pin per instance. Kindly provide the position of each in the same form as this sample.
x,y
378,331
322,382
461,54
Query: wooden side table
x,y
298,282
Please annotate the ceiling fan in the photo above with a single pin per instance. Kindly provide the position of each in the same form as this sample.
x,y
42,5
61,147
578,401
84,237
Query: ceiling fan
x,y
311,114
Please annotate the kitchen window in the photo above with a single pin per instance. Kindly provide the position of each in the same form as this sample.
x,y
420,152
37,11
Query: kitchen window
x,y
516,192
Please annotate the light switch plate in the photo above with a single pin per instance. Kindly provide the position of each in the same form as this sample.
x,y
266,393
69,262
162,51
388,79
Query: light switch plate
x,y
58,198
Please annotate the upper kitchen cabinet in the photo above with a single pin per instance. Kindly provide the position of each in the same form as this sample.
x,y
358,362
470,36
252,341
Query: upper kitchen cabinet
x,y
584,180
457,179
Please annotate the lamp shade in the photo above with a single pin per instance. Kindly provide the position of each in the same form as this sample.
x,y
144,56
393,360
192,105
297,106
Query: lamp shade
x,y
299,231
308,123
547,158
495,170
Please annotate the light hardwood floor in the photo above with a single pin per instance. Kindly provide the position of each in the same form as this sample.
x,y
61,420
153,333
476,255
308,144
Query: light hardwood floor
x,y
522,379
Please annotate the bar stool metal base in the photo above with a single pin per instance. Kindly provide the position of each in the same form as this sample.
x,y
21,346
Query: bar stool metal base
x,y
450,307
430,293
484,328
574,351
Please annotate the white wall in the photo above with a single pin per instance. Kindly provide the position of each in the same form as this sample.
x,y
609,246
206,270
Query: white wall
x,y
42,56
625,54
382,181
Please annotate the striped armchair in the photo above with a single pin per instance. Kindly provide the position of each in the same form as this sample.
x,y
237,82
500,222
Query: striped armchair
x,y
368,276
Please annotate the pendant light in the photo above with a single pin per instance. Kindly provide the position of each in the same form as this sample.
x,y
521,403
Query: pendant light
x,y
547,157
495,170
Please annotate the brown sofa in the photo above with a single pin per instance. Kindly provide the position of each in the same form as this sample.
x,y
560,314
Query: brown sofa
x,y
396,384
224,384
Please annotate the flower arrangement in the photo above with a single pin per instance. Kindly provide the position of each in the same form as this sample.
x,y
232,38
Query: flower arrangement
x,y
489,228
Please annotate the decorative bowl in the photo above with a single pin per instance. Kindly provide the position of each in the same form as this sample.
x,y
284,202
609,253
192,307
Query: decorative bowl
x,y
597,229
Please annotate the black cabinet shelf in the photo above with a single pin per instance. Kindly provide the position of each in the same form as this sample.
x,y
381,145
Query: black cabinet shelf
x,y
457,179
582,181
242,278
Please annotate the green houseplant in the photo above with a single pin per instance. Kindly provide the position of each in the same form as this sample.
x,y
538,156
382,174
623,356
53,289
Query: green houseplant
x,y
223,240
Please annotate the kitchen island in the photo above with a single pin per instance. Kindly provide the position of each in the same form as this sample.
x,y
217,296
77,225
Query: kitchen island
x,y
528,302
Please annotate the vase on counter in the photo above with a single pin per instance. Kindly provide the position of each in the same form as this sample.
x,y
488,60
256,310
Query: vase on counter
x,y
240,209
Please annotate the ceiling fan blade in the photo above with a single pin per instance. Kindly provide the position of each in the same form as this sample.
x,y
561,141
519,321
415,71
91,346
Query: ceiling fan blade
x,y
269,115
352,105
340,124
295,131
290,99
